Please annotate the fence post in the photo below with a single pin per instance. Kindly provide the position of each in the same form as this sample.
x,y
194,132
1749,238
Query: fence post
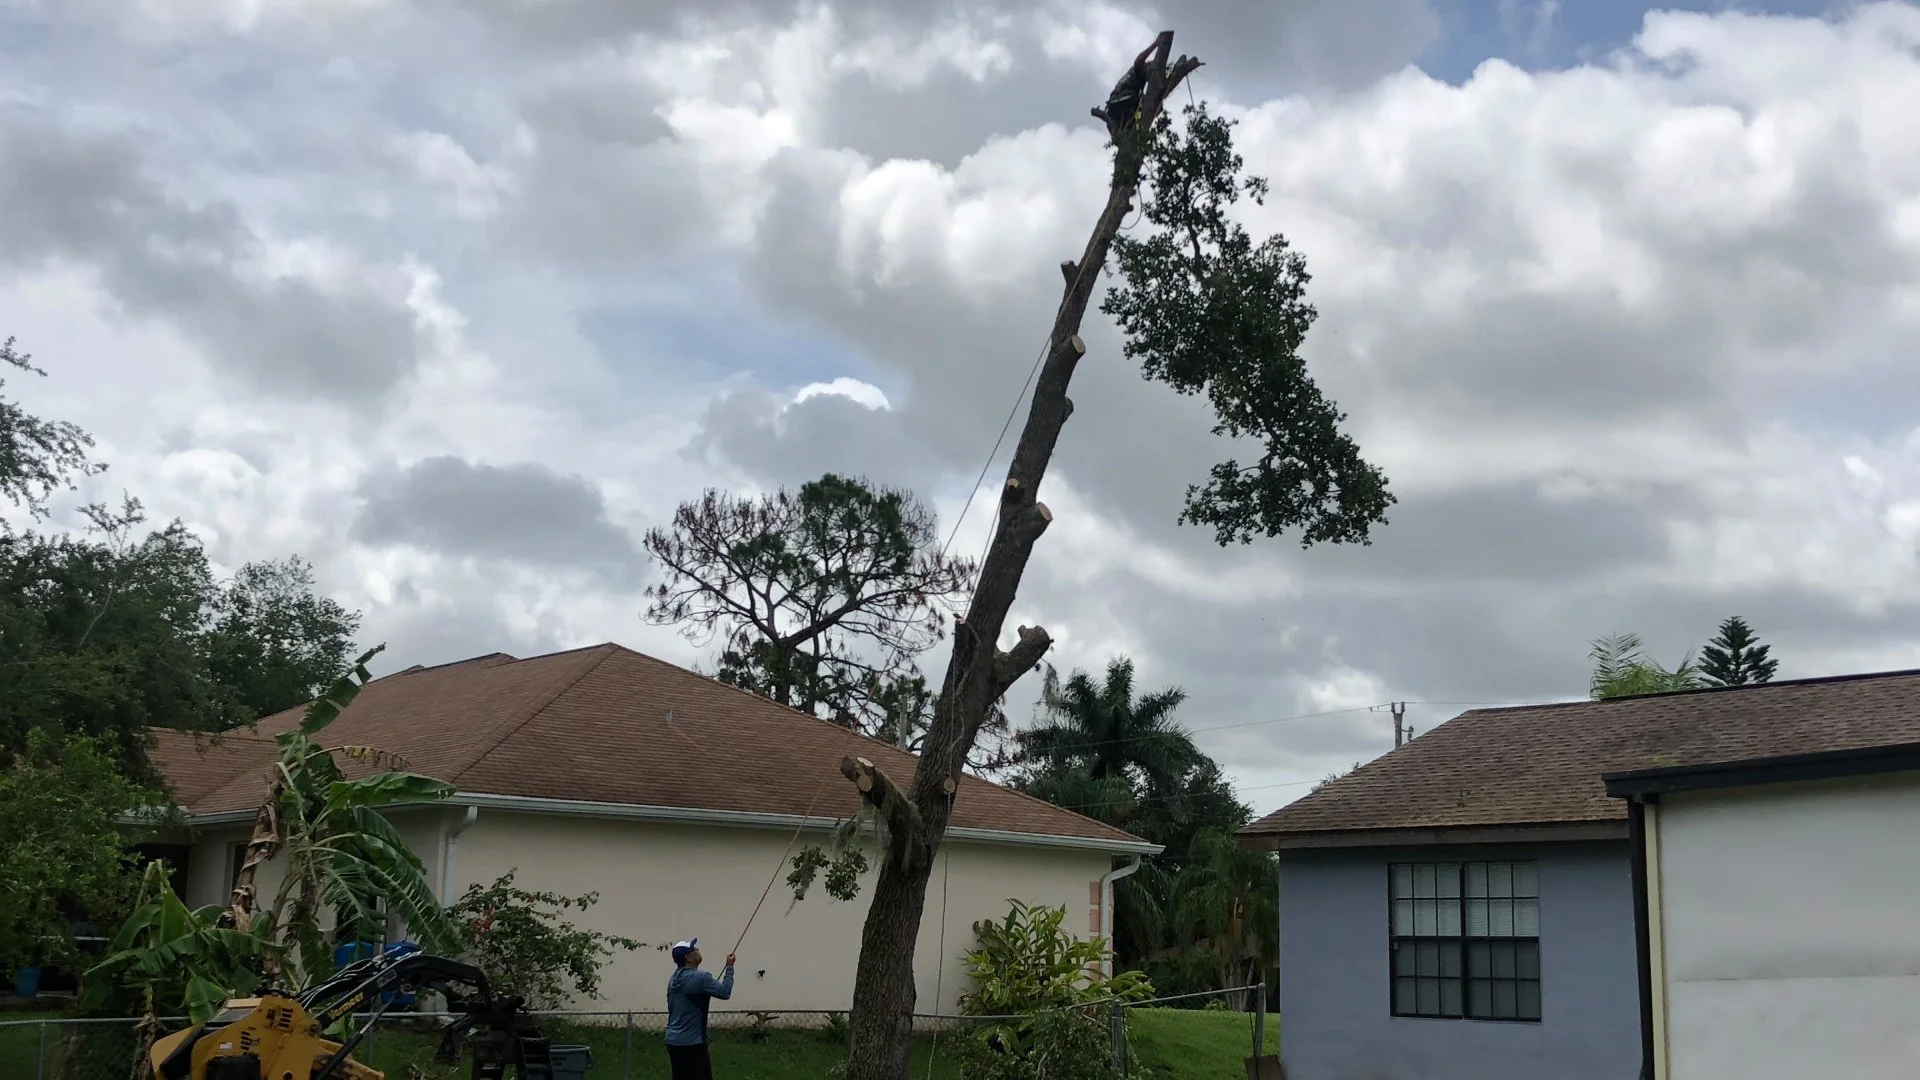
x,y
1260,1018
627,1073
1117,1030
40,1056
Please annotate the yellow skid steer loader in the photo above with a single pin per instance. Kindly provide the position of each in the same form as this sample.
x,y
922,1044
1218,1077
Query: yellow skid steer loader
x,y
280,1036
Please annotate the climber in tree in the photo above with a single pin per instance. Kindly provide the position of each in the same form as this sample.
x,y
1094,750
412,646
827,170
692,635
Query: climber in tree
x,y
1123,104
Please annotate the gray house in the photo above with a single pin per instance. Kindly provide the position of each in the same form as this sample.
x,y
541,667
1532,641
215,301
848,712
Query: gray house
x,y
1463,908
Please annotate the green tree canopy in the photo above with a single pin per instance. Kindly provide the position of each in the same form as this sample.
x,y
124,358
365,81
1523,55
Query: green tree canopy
x,y
38,458
1735,657
114,631
63,857
819,599
1622,668
274,640
1106,732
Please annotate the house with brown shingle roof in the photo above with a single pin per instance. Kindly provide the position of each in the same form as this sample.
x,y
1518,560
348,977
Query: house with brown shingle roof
x,y
1464,906
672,796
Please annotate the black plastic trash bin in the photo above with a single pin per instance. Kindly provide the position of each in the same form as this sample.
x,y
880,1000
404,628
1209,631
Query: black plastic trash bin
x,y
571,1062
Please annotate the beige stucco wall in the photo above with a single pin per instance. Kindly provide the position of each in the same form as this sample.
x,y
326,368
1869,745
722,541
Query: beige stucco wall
x,y
660,882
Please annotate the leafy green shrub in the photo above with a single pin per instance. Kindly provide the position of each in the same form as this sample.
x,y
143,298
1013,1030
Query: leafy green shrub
x,y
1028,965
62,855
523,942
1060,1045
1029,961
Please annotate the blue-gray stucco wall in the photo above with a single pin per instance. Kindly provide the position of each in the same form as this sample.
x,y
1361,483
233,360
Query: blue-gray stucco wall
x,y
1335,1018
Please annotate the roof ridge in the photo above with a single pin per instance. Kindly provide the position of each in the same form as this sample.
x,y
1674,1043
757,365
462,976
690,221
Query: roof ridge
x,y
504,729
1810,680
418,668
859,736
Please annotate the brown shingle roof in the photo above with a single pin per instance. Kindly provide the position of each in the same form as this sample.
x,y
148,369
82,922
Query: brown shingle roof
x,y
591,725
1542,764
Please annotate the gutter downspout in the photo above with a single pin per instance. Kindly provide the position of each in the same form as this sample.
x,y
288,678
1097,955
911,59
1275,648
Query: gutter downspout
x,y
448,863
1642,933
1106,907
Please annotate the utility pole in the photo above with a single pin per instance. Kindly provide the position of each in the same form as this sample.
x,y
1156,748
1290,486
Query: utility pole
x,y
1400,731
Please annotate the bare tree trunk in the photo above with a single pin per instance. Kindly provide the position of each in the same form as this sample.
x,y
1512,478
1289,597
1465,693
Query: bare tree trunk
x,y
979,673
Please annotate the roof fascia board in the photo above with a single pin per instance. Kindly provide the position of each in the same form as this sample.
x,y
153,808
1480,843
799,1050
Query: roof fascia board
x,y
1642,784
1448,836
730,819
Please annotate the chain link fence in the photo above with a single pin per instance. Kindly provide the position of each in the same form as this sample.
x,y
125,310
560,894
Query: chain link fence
x,y
623,1045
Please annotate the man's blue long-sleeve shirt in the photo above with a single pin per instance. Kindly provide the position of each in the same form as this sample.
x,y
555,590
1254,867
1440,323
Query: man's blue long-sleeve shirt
x,y
689,992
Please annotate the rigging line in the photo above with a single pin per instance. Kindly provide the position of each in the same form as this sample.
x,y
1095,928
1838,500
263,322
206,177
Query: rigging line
x,y
1045,348
852,733
940,968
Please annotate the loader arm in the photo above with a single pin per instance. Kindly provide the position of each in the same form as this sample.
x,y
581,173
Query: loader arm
x,y
283,1035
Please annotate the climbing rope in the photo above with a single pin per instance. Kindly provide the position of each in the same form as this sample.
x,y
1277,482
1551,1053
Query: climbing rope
x,y
940,963
852,733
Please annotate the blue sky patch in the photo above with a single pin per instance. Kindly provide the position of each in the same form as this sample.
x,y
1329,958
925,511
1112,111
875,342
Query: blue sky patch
x,y
1545,35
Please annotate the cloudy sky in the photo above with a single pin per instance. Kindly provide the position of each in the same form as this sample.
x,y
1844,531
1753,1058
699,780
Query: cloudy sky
x,y
456,297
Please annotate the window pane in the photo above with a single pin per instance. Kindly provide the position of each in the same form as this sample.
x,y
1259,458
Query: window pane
x,y
1449,918
1446,877
1426,919
1500,923
1479,998
1427,997
1526,918
1403,959
1477,918
1502,955
1499,879
1450,995
1527,959
1429,959
1403,917
1450,960
1423,879
1402,880
1403,995
1479,964
1477,879
1526,879
1529,1001
1506,1001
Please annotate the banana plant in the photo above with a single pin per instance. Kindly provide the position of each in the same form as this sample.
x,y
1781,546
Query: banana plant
x,y
168,955
338,849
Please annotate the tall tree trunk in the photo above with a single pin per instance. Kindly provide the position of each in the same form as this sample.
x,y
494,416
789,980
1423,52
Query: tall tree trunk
x,y
979,673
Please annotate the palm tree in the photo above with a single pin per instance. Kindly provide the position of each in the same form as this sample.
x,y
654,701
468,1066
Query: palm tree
x,y
1102,732
1232,897
1621,668
339,849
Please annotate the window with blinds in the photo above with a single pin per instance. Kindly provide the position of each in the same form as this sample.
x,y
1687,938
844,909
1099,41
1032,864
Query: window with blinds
x,y
1465,940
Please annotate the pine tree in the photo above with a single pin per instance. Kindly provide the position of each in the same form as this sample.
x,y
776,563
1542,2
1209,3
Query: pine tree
x,y
1736,657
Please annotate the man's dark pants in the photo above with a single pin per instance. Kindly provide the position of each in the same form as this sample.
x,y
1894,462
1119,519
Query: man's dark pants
x,y
690,1062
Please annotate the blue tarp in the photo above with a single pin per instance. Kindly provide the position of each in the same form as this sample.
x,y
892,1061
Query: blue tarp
x,y
353,951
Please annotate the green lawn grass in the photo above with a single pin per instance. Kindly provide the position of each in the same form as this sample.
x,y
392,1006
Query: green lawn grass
x,y
1168,1044
1194,1044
